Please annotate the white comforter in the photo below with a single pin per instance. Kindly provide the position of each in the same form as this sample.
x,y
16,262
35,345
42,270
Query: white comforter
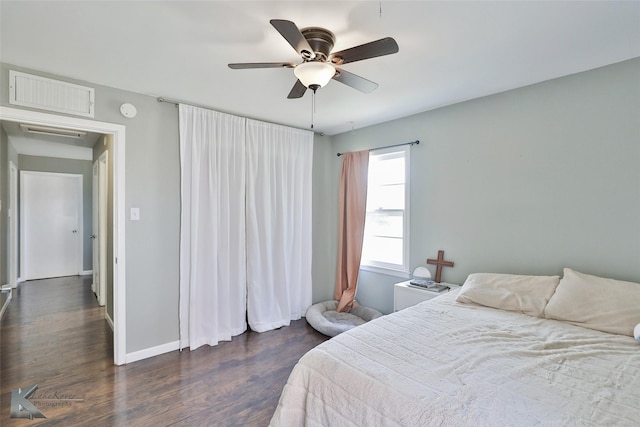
x,y
443,363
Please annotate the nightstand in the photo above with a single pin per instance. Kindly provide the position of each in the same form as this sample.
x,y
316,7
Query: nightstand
x,y
405,296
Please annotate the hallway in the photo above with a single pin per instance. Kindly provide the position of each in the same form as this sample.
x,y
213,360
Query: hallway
x,y
53,334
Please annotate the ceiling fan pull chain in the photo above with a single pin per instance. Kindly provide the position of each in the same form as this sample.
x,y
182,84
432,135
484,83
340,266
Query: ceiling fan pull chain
x,y
313,106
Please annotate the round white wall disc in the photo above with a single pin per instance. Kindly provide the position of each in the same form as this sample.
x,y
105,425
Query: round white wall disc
x,y
128,110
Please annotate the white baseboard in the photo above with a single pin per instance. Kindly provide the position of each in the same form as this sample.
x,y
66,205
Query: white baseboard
x,y
85,273
108,319
6,286
4,307
153,351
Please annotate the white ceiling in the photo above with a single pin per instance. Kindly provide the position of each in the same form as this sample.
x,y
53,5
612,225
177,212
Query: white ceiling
x,y
449,51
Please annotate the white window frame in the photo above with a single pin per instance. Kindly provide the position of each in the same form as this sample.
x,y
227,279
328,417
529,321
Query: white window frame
x,y
396,269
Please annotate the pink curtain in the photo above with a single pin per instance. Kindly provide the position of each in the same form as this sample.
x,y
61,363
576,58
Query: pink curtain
x,y
352,213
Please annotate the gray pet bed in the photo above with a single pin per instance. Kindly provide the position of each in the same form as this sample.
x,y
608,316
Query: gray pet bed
x,y
324,318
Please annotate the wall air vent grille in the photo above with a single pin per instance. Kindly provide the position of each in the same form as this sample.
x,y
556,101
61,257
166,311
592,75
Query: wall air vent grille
x,y
33,91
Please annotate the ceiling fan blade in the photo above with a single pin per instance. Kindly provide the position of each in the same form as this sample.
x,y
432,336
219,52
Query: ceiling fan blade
x,y
244,65
292,34
297,91
355,81
373,49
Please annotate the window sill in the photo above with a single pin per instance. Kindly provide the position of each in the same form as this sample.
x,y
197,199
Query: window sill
x,y
386,271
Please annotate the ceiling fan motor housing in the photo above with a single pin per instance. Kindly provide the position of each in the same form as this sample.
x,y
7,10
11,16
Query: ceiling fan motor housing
x,y
321,41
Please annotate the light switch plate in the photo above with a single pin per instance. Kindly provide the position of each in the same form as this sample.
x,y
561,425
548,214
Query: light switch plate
x,y
135,214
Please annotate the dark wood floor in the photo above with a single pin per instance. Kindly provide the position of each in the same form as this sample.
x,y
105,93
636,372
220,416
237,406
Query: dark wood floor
x,y
53,334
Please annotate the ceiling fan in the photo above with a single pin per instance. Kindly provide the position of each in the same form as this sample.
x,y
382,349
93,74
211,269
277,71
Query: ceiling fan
x,y
319,64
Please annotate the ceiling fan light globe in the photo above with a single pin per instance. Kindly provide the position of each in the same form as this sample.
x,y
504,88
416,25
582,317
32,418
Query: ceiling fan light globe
x,y
314,73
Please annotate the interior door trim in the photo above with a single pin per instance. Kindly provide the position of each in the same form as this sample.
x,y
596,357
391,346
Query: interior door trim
x,y
118,185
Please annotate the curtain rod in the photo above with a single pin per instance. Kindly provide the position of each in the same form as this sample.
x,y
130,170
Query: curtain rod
x,y
176,103
416,142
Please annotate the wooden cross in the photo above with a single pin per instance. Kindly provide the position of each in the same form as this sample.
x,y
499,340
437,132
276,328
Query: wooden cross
x,y
439,263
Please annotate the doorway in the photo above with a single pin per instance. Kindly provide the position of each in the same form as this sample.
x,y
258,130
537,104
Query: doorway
x,y
117,132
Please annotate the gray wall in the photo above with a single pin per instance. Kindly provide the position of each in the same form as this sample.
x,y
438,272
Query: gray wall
x,y
7,154
325,216
80,167
152,184
4,198
527,181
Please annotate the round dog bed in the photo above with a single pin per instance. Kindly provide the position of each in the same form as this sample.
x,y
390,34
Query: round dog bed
x,y
324,318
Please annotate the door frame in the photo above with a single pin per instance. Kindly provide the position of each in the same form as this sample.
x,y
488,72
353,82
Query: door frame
x,y
13,225
118,187
103,195
79,245
99,232
94,220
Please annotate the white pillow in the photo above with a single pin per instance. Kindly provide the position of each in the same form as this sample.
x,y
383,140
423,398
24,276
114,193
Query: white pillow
x,y
593,302
525,294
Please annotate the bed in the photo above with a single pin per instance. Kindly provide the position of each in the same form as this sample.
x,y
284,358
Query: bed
x,y
449,363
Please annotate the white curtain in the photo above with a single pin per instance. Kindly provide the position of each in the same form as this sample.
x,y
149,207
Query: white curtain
x,y
279,165
245,239
212,229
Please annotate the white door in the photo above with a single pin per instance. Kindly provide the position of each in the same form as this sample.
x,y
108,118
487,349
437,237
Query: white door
x,y
51,224
102,225
99,234
13,225
95,286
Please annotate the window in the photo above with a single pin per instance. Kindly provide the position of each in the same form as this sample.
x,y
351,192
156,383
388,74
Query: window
x,y
386,231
